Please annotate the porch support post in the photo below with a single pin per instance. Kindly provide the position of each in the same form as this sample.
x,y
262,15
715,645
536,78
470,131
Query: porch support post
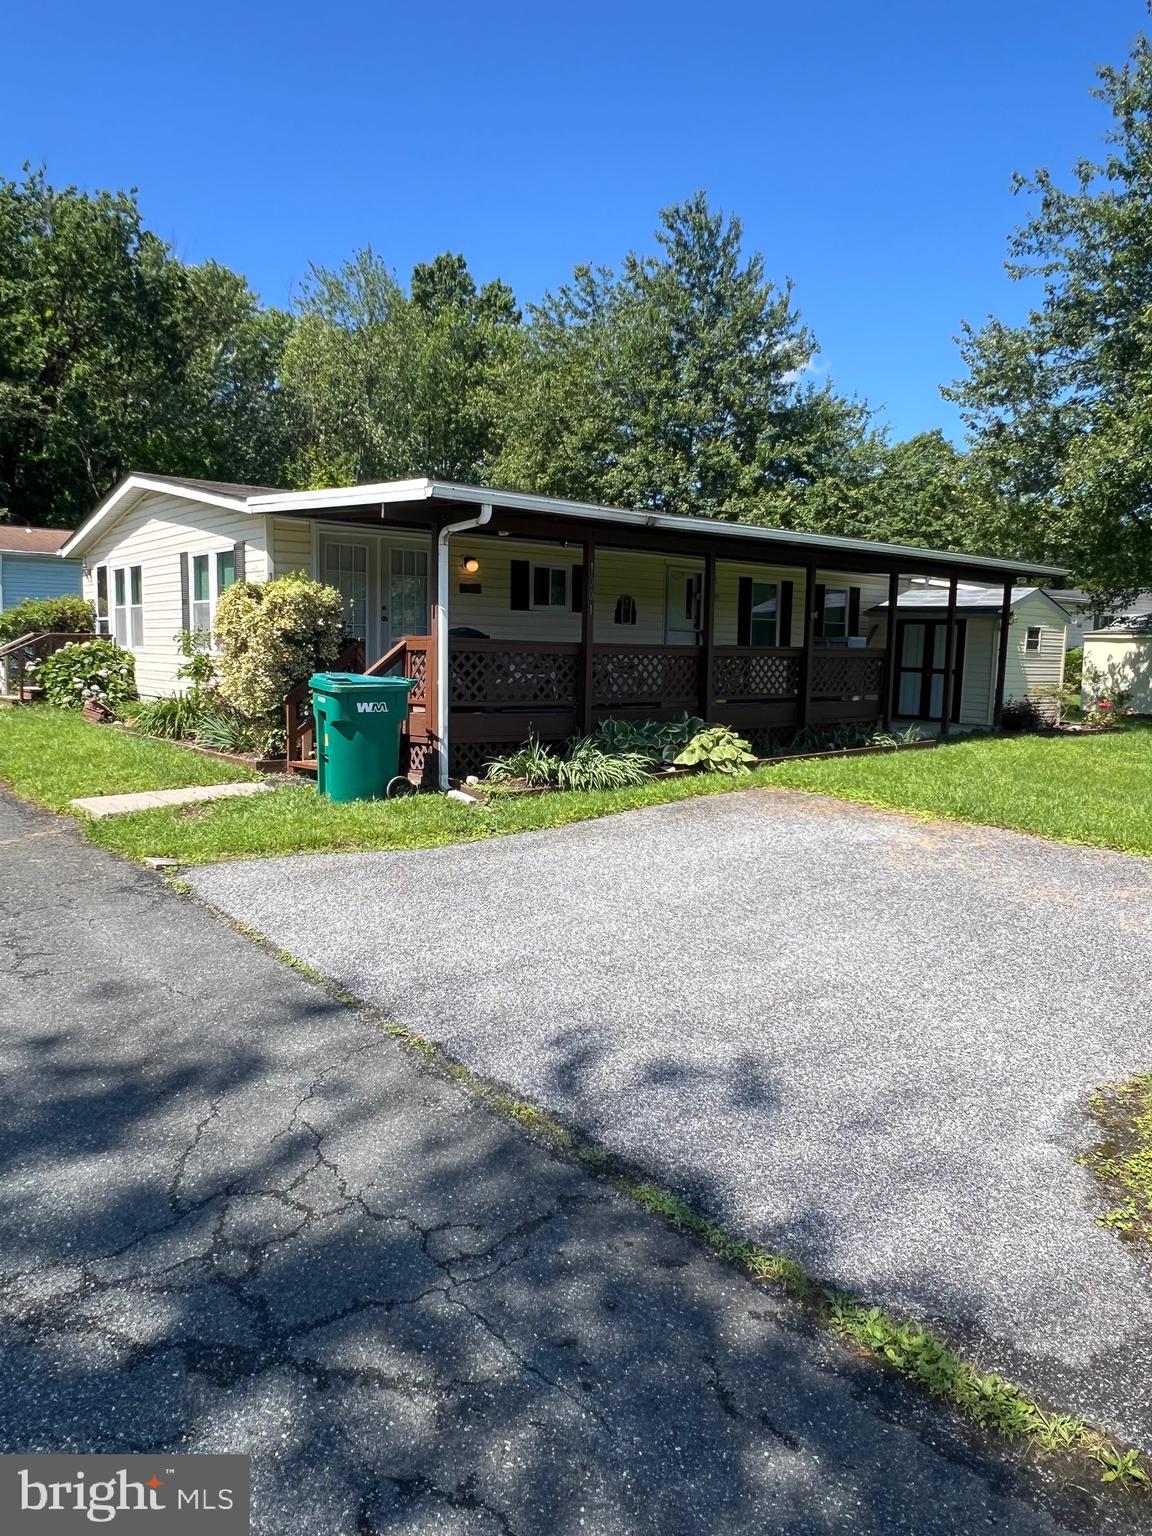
x,y
949,661
890,657
1002,654
587,633
804,680
708,637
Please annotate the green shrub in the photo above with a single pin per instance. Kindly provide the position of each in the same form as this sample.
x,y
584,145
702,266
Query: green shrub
x,y
1074,668
271,637
225,731
716,749
53,615
585,765
176,717
657,740
87,671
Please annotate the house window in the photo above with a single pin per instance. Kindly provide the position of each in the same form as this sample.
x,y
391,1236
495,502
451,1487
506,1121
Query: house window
x,y
625,610
200,612
128,605
551,586
1032,638
208,575
103,616
835,625
765,622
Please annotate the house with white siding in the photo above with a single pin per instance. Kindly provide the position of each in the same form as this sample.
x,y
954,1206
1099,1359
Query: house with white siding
x,y
520,614
31,567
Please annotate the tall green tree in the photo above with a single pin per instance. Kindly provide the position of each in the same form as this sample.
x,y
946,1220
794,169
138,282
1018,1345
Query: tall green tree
x,y
680,383
115,355
1059,408
383,383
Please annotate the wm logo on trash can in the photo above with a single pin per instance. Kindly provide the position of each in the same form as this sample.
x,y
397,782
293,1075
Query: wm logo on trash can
x,y
372,709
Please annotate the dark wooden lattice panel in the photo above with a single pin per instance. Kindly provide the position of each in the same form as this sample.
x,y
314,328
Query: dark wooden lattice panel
x,y
467,757
499,678
848,676
751,676
632,677
417,670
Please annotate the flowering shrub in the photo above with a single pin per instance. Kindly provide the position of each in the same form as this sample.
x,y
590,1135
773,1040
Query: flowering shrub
x,y
87,672
46,615
271,636
1105,707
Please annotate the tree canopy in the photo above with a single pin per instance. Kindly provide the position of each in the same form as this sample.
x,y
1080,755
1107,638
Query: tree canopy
x,y
1059,408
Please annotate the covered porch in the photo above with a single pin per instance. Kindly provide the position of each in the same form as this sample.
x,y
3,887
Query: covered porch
x,y
547,619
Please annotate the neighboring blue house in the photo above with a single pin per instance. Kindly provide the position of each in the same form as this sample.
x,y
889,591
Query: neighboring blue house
x,y
31,567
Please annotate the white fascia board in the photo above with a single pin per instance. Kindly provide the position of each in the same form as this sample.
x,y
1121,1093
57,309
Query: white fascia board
x,y
136,485
520,501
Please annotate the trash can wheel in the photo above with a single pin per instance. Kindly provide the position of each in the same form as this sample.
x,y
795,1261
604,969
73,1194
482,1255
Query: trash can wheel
x,y
399,787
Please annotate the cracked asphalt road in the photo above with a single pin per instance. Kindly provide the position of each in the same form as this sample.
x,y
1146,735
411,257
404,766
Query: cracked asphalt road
x,y
236,1216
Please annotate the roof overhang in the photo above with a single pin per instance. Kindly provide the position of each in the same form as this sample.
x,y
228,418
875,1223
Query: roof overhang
x,y
430,494
130,489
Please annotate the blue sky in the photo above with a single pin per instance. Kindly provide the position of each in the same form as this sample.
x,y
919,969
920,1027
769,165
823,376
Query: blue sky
x,y
869,149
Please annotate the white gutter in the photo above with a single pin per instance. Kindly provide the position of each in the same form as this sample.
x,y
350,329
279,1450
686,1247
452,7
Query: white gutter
x,y
440,627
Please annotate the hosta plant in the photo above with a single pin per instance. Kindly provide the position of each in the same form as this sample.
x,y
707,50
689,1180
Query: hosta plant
x,y
95,672
657,740
717,749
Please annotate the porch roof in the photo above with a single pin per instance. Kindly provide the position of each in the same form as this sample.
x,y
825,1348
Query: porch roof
x,y
428,498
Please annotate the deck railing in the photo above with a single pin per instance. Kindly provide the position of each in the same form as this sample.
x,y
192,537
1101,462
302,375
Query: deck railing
x,y
27,651
299,721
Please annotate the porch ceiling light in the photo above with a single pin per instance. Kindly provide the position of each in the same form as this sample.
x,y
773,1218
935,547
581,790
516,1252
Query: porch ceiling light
x,y
471,565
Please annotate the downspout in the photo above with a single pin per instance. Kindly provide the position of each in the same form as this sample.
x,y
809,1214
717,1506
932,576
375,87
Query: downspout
x,y
443,660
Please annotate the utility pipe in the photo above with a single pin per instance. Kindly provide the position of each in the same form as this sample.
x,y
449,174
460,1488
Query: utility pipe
x,y
440,626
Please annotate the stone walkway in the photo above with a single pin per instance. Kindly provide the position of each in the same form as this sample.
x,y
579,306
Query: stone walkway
x,y
155,799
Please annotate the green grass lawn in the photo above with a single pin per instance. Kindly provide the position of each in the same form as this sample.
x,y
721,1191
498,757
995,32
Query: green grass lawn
x,y
53,756
1092,789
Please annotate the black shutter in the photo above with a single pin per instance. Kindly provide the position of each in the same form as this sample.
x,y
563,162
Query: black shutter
x,y
238,559
853,610
818,609
577,588
744,612
185,597
784,628
519,587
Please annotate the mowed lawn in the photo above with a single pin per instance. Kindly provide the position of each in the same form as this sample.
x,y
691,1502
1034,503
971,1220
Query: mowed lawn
x,y
1095,790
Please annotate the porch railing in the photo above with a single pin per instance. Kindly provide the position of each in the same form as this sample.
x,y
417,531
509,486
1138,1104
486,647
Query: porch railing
x,y
299,722
16,656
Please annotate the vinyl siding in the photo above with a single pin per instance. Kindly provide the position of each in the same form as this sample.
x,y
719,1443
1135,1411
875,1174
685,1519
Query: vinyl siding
x,y
1026,671
1123,661
24,576
979,680
289,545
153,534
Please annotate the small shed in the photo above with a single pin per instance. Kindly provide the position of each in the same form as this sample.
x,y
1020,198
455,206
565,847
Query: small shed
x,y
31,565
1119,659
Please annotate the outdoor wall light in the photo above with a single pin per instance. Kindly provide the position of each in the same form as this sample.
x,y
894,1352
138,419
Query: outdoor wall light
x,y
471,565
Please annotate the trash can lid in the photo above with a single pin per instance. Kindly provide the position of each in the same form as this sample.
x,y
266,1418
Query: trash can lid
x,y
338,682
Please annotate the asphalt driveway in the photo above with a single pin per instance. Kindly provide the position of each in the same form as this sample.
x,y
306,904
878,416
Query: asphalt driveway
x,y
867,1040
239,1217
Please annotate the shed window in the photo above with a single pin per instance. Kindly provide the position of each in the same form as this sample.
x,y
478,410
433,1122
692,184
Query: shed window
x,y
128,605
1032,639
625,610
765,623
551,586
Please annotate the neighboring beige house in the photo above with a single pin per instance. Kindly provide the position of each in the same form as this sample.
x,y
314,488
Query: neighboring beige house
x,y
555,613
1119,658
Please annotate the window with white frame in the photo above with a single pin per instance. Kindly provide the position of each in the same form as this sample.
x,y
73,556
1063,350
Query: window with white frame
x,y
1032,638
551,586
103,611
764,628
835,622
209,574
128,606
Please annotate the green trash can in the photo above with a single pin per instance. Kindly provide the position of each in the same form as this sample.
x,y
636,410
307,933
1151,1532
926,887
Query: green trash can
x,y
358,724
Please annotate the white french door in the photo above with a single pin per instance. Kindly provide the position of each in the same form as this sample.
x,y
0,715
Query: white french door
x,y
683,610
405,610
349,566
